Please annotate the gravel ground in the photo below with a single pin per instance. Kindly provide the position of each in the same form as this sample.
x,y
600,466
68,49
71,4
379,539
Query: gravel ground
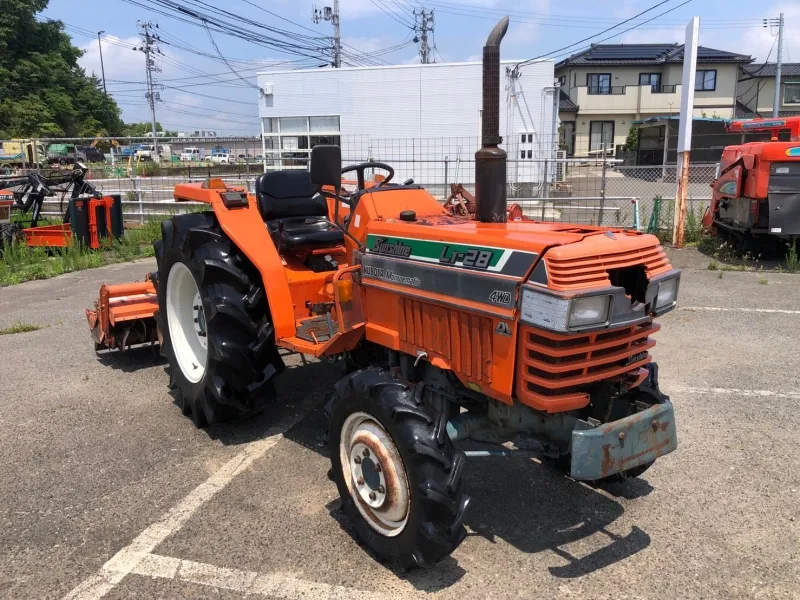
x,y
99,464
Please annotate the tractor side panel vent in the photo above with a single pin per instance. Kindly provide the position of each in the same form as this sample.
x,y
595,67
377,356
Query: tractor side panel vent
x,y
462,338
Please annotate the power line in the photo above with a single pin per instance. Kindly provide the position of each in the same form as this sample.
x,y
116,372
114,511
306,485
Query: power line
x,y
548,54
553,17
393,15
180,12
213,43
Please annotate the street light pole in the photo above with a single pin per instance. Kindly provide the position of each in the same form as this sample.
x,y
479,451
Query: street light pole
x,y
102,68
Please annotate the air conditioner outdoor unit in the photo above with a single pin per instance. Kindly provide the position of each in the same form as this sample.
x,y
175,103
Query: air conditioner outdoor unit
x,y
561,167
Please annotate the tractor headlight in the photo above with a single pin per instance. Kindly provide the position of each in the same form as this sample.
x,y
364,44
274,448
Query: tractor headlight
x,y
563,314
667,294
592,310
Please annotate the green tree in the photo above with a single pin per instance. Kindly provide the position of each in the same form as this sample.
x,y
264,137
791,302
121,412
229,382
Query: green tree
x,y
44,92
632,141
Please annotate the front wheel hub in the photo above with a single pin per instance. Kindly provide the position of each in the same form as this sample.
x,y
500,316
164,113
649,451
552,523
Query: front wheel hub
x,y
375,474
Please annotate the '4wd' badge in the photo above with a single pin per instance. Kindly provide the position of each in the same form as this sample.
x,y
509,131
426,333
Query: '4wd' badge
x,y
503,329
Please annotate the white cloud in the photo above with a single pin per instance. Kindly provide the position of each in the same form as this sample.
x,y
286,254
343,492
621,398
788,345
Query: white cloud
x,y
758,41
755,41
521,36
188,100
119,58
365,44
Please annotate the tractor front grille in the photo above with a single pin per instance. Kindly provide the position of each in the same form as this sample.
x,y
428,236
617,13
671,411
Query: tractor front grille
x,y
566,273
553,369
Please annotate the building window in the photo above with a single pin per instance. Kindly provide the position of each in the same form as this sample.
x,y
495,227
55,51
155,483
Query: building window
x,y
705,80
651,79
601,136
562,81
791,92
598,83
287,141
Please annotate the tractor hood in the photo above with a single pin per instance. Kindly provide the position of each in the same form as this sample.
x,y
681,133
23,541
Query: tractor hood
x,y
486,262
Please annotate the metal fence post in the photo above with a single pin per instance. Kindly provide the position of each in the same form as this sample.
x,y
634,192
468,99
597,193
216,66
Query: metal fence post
x,y
602,189
446,164
138,186
545,191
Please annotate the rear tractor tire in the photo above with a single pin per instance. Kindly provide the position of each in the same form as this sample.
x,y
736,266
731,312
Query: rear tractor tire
x,y
10,234
397,473
215,323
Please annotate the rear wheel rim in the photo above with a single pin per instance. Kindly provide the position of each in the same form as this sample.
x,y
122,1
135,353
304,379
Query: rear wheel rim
x,y
186,322
375,474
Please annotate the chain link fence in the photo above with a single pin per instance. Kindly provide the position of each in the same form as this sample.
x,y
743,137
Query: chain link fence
x,y
594,191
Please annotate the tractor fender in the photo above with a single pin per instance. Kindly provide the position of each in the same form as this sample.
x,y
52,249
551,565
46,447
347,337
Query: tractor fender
x,y
246,229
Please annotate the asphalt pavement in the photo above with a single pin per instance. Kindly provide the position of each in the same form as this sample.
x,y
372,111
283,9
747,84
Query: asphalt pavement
x,y
107,491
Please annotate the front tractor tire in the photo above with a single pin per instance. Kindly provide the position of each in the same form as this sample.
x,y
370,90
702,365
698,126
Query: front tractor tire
x,y
215,323
397,473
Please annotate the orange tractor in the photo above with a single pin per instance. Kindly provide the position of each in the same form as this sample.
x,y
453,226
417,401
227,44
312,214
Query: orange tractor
x,y
451,329
756,193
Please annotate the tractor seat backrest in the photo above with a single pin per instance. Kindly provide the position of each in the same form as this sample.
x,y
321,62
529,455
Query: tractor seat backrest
x,y
283,194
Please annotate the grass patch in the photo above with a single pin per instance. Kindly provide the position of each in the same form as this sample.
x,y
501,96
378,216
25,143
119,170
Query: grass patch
x,y
763,281
19,263
792,261
723,256
19,327
693,232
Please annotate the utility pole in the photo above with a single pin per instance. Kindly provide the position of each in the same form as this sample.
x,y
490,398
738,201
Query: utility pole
x,y
150,48
102,68
685,129
331,14
777,100
423,25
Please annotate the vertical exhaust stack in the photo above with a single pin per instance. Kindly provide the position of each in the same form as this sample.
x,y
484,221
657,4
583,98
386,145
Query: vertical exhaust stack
x,y
490,161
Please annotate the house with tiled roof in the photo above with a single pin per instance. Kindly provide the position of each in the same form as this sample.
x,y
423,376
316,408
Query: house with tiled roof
x,y
757,90
608,86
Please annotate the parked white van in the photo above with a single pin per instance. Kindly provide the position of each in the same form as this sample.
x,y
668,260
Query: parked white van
x,y
221,158
191,154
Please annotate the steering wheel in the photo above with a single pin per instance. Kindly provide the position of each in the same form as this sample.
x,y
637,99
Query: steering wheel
x,y
361,167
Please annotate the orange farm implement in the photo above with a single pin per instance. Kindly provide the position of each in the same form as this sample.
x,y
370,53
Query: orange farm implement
x,y
89,217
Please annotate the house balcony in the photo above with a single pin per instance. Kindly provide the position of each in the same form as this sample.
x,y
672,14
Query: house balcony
x,y
636,99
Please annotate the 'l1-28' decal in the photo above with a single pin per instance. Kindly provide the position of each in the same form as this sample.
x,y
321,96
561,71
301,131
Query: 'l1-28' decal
x,y
471,257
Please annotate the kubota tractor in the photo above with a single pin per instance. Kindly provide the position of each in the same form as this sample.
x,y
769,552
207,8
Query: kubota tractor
x,y
451,328
756,194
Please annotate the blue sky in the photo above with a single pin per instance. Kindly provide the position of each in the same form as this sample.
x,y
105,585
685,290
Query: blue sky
x,y
229,105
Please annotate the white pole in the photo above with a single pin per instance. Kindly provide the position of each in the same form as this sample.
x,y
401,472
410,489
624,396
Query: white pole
x,y
685,128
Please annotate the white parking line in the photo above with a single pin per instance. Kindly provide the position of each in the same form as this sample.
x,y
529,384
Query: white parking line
x,y
736,392
753,310
127,560
278,585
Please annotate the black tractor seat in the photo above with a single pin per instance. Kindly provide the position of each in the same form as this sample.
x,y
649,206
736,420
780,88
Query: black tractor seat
x,y
295,212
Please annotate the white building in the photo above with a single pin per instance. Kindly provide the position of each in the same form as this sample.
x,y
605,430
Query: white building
x,y
423,119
